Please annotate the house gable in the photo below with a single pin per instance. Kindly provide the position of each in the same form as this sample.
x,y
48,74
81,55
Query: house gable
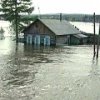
x,y
38,27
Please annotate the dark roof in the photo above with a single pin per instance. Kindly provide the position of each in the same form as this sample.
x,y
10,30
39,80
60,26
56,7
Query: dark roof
x,y
59,27
80,36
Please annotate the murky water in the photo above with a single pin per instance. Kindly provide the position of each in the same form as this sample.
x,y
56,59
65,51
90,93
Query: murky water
x,y
48,73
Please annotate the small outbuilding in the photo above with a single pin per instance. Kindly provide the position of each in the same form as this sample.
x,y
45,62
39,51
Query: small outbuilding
x,y
78,39
52,32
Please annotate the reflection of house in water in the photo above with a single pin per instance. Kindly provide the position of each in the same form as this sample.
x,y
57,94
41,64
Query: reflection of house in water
x,y
52,32
39,54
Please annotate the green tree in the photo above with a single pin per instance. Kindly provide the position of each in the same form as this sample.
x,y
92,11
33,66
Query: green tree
x,y
13,9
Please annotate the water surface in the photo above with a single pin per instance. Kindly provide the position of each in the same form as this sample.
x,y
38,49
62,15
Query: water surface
x,y
48,73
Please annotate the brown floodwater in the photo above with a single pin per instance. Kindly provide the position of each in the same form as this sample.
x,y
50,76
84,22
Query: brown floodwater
x,y
48,73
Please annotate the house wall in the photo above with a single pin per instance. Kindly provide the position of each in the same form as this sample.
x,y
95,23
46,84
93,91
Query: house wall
x,y
40,29
77,41
74,41
65,39
85,40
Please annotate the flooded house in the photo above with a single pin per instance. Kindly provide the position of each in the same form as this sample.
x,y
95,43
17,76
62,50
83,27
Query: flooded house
x,y
52,32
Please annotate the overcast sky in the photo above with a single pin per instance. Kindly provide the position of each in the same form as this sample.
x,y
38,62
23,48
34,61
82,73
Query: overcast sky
x,y
67,6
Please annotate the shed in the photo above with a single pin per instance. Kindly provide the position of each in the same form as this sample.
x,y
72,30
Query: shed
x,y
79,39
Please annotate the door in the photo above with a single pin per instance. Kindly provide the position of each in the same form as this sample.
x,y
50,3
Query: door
x,y
29,39
47,40
37,40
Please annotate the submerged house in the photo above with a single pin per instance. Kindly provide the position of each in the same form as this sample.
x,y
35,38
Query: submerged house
x,y
52,32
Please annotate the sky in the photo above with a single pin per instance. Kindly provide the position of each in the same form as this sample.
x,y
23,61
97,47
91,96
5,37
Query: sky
x,y
66,6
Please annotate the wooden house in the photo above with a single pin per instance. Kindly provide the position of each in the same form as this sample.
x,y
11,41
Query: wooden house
x,y
51,32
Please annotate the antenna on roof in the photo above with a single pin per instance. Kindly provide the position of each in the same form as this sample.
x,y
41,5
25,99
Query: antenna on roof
x,y
39,16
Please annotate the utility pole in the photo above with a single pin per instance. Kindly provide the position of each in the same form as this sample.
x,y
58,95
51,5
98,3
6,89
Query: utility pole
x,y
60,17
94,40
98,42
16,21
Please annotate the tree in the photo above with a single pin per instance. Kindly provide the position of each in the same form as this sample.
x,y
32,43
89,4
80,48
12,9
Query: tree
x,y
13,9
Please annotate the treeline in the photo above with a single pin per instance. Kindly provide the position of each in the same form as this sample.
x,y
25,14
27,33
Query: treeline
x,y
72,17
69,17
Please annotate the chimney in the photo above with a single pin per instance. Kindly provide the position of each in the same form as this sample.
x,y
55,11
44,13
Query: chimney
x,y
60,17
